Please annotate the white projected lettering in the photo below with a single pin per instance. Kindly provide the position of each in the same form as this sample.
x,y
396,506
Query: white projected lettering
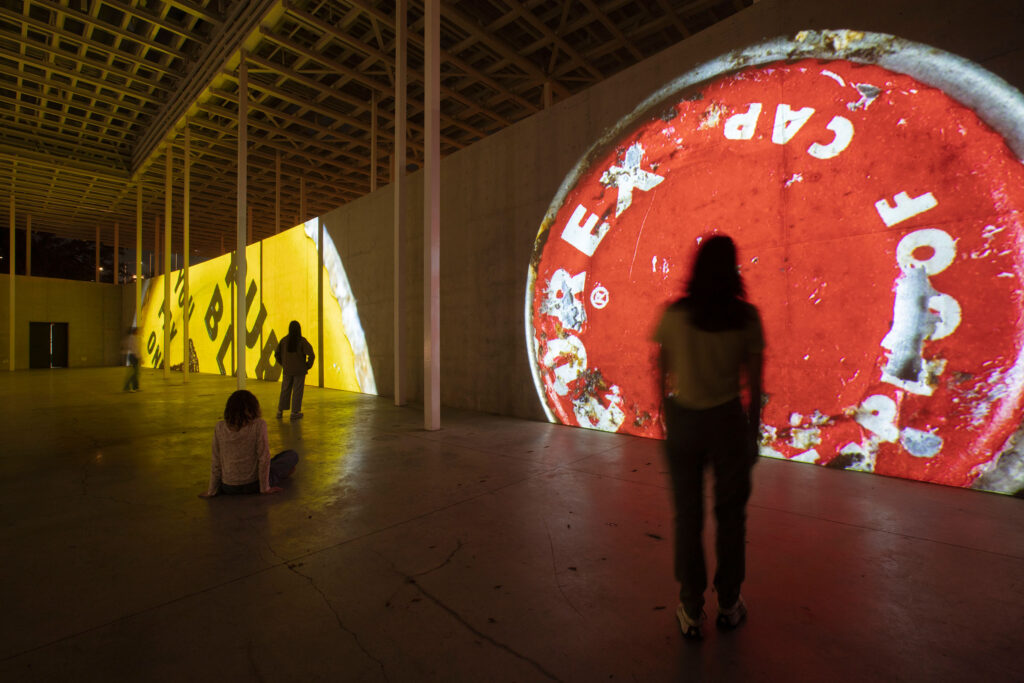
x,y
878,221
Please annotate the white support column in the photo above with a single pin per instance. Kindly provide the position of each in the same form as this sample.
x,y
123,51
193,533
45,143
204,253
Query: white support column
x,y
117,247
373,141
185,204
11,326
277,192
28,245
242,215
138,253
398,161
432,218
96,270
156,245
321,361
168,208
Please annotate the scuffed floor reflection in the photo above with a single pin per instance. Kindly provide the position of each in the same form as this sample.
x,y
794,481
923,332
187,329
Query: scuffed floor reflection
x,y
495,549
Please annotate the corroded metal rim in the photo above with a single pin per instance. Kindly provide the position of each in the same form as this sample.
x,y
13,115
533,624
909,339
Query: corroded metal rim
x,y
995,101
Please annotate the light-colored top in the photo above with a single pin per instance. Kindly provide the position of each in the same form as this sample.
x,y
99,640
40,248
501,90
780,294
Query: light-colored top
x,y
297,362
240,457
703,368
130,344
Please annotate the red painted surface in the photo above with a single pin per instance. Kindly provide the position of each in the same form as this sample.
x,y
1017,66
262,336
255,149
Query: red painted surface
x,y
817,258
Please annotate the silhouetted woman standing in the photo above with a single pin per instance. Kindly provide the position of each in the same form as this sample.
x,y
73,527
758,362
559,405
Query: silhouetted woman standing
x,y
711,340
295,356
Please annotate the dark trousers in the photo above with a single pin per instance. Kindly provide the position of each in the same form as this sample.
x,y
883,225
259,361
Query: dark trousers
x,y
292,387
281,466
133,373
718,437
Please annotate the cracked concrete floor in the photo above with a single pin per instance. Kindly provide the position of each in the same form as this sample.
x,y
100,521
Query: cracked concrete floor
x,y
492,550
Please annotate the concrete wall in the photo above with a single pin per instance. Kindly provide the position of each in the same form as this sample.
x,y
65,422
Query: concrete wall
x,y
94,313
496,192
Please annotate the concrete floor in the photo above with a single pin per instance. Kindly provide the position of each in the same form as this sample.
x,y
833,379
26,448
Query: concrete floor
x,y
492,550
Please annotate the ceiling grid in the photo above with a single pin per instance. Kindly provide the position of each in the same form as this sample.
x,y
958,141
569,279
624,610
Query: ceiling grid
x,y
93,91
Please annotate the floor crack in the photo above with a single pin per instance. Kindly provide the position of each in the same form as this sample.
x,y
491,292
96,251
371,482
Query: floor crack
x,y
451,556
341,624
480,634
554,570
266,542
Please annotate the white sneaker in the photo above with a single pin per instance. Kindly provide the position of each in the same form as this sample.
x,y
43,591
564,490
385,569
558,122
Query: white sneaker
x,y
732,617
690,626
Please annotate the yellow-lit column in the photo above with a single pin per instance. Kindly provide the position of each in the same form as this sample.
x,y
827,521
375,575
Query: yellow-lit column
x,y
10,286
97,271
277,192
373,141
28,245
168,208
398,178
117,247
156,245
138,253
432,218
186,172
320,300
242,213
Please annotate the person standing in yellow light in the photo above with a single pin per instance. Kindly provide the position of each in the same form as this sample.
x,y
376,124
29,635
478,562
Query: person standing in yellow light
x,y
295,356
130,349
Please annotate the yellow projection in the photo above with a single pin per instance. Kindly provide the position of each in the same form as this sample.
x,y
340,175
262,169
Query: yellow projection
x,y
281,287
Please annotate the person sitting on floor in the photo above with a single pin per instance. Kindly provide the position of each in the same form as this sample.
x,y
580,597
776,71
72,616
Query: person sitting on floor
x,y
241,452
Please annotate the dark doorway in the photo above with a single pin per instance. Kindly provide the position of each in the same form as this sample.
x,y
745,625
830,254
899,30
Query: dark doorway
x,y
47,345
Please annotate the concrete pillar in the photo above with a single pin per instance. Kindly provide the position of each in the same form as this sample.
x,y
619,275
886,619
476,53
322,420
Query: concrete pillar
x,y
138,253
117,247
321,361
168,208
242,214
373,141
185,203
277,192
11,327
156,246
432,218
398,179
28,245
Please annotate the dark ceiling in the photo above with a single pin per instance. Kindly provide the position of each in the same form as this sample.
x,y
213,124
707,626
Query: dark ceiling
x,y
94,92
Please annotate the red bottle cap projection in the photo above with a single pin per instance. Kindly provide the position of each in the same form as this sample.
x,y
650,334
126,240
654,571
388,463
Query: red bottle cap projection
x,y
875,190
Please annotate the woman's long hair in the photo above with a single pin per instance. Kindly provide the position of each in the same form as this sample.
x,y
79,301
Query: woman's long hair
x,y
715,289
294,335
241,409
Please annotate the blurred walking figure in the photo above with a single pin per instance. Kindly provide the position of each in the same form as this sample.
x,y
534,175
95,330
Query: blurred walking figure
x,y
710,340
241,460
295,356
130,349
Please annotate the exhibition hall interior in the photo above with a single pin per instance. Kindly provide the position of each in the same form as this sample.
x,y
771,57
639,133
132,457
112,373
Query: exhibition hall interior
x,y
478,212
